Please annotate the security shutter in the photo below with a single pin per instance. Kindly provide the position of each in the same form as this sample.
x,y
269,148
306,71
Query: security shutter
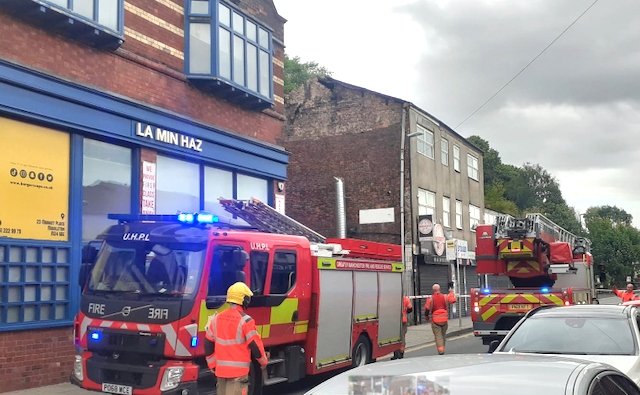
x,y
430,274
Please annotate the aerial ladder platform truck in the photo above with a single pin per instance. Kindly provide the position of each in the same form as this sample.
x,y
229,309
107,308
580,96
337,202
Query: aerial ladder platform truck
x,y
546,265
151,282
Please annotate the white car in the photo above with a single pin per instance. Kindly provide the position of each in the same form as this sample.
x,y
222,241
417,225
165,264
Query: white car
x,y
599,333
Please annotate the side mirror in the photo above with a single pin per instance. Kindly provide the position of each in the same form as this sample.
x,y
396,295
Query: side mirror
x,y
493,346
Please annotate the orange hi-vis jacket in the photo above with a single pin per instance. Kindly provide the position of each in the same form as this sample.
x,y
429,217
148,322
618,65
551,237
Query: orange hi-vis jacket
x,y
406,308
626,296
437,306
236,341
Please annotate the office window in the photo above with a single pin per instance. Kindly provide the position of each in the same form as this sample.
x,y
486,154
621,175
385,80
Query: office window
x,y
446,212
474,217
103,12
456,158
444,152
425,142
472,166
244,47
106,185
251,187
426,202
458,214
178,186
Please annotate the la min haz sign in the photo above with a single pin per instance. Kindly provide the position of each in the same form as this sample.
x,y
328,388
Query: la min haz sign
x,y
167,136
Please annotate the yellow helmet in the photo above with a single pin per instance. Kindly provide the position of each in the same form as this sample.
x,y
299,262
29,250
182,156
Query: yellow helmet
x,y
238,292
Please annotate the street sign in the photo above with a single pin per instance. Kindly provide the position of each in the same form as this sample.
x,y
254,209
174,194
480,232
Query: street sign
x,y
451,250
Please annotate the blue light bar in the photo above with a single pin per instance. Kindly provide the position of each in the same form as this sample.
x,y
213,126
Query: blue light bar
x,y
194,341
185,217
95,336
545,290
486,290
205,218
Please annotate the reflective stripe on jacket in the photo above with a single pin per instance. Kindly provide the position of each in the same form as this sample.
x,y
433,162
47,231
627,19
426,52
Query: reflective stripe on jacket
x,y
406,308
627,296
235,340
437,306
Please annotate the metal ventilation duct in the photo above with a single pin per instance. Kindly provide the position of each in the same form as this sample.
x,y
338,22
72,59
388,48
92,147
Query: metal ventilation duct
x,y
341,212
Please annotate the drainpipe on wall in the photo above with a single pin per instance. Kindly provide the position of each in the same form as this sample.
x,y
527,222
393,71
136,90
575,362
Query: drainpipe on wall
x,y
341,212
407,278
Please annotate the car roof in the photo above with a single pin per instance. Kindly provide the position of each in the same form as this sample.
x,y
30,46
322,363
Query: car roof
x,y
466,373
588,310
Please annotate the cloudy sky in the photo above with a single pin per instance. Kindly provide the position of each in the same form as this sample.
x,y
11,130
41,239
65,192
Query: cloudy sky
x,y
575,110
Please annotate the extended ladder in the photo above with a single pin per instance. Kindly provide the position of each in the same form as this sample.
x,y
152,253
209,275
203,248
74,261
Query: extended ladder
x,y
266,219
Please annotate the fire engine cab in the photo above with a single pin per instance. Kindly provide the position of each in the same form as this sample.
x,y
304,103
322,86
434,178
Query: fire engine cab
x,y
151,282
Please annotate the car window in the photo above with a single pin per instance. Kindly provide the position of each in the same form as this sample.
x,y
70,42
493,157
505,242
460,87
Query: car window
x,y
613,384
572,335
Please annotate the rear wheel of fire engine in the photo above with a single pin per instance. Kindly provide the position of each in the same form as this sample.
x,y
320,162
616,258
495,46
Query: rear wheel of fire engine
x,y
361,352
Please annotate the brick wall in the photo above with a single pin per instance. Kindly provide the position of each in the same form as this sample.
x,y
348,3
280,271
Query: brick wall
x,y
337,131
35,358
149,66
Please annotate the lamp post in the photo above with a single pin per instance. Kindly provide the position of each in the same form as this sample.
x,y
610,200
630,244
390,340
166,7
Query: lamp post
x,y
408,277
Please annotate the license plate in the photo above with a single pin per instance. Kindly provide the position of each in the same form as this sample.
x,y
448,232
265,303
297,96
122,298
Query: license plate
x,y
117,389
520,307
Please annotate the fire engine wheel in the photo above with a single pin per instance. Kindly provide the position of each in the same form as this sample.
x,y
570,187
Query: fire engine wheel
x,y
361,352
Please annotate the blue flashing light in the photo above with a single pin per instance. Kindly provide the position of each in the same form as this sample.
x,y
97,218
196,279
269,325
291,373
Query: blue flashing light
x,y
185,217
95,336
486,290
194,341
545,290
205,218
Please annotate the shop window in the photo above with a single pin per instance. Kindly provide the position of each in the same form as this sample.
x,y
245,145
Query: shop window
x,y
34,284
259,263
244,52
106,185
178,186
283,275
251,187
217,183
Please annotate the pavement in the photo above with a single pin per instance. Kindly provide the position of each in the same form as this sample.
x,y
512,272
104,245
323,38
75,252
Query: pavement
x,y
417,335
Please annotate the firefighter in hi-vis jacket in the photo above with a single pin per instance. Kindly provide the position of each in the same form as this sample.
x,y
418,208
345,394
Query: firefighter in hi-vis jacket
x,y
232,342
437,305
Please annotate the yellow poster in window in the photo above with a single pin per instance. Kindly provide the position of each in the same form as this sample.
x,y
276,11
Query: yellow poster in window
x,y
34,182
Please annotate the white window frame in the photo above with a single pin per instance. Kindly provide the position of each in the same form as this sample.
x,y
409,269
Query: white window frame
x,y
456,158
426,142
489,219
444,152
459,214
446,212
426,202
474,217
472,167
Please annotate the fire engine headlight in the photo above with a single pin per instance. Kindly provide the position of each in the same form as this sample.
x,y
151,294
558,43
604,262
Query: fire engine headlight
x,y
476,309
171,378
78,371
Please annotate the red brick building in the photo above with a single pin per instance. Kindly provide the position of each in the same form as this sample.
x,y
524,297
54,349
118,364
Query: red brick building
x,y
114,106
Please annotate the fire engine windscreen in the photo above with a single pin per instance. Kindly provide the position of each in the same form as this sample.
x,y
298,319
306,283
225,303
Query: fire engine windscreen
x,y
148,269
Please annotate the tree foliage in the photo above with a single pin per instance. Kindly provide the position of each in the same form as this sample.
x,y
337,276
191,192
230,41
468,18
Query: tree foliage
x,y
296,72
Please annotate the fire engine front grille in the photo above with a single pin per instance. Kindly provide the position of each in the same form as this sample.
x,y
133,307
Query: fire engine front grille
x,y
123,340
122,377
105,370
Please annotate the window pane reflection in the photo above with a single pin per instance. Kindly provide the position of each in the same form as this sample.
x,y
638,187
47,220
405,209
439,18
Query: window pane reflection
x,y
217,183
178,187
106,185
108,13
249,187
200,48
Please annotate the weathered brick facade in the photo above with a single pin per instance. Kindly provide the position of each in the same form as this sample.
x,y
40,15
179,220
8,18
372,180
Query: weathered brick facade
x,y
335,130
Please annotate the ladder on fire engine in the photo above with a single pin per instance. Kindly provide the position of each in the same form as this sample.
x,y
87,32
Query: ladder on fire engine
x,y
267,219
532,226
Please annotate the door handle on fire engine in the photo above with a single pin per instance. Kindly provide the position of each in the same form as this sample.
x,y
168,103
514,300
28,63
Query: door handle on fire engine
x,y
294,316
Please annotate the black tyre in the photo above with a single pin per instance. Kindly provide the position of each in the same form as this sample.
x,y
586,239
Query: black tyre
x,y
255,380
361,352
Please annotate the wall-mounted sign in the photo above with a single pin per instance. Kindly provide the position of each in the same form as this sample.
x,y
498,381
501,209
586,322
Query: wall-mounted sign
x,y
148,182
280,203
438,239
34,180
425,227
167,136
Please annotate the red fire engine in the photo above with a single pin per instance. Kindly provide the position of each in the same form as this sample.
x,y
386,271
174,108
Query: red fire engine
x,y
148,290
546,265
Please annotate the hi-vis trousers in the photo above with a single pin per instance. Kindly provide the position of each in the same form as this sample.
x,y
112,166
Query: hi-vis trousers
x,y
440,332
